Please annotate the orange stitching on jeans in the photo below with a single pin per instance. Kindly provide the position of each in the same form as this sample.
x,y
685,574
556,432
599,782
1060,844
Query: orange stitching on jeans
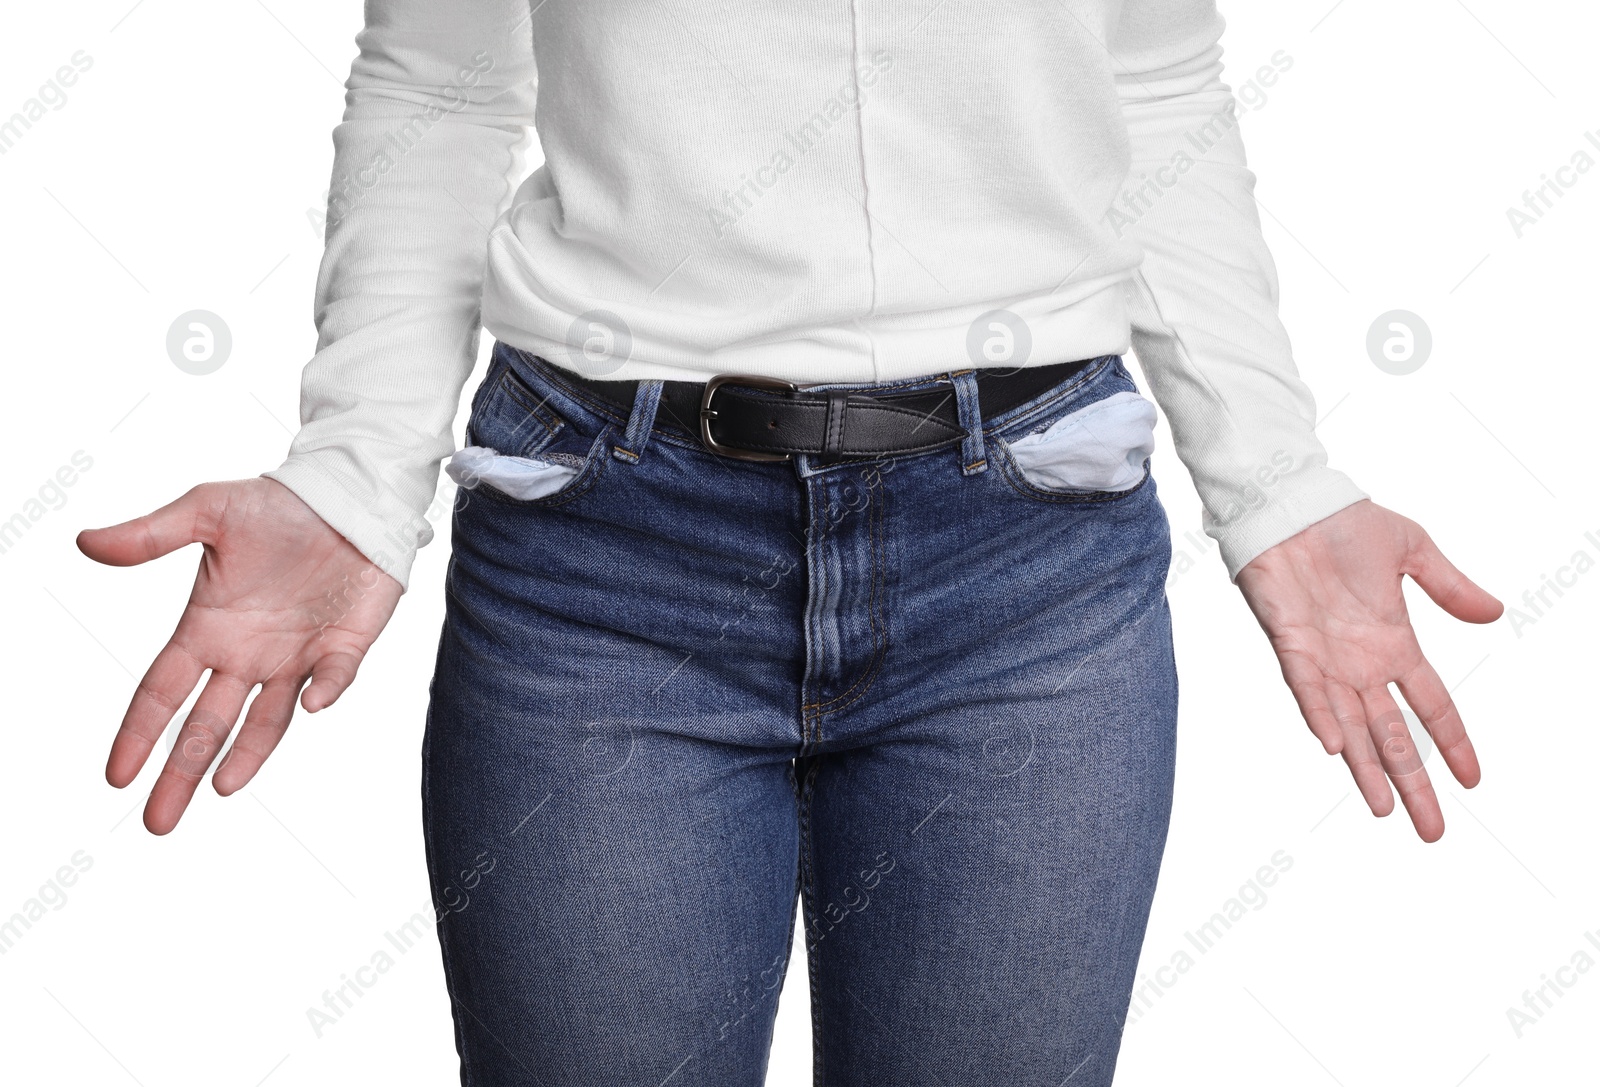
x,y
808,720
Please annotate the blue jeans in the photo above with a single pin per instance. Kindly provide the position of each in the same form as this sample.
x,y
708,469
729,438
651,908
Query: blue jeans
x,y
927,698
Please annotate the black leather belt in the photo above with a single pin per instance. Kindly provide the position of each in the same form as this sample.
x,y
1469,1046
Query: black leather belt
x,y
768,419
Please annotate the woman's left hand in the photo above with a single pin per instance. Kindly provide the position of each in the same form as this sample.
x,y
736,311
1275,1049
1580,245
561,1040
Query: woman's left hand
x,y
1330,601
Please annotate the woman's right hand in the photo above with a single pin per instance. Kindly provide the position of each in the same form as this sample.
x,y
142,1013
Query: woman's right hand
x,y
280,597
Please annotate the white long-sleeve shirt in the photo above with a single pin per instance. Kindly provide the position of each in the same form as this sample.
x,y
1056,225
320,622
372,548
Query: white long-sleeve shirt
x,y
813,190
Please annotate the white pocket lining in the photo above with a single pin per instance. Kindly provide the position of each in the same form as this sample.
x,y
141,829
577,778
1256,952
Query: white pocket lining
x,y
523,478
1100,447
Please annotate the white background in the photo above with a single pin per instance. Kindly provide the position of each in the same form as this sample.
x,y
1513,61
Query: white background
x,y
178,176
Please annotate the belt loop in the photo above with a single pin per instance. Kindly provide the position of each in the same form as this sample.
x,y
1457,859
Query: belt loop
x,y
833,427
970,415
640,420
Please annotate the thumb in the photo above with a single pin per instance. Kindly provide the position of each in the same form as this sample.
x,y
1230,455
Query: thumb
x,y
1448,587
177,524
330,676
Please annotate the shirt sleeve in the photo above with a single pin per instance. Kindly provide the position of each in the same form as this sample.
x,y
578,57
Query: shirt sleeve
x,y
1204,304
432,141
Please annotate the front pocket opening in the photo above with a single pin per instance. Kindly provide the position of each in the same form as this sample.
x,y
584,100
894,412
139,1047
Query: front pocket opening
x,y
1100,447
524,478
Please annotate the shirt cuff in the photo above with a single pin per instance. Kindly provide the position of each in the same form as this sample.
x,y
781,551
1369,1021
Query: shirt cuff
x,y
1294,503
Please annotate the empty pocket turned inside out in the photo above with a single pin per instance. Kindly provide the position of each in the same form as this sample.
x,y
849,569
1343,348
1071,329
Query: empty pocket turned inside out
x,y
1100,447
524,478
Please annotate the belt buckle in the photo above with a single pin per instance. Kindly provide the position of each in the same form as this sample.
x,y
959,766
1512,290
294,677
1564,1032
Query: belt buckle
x,y
707,413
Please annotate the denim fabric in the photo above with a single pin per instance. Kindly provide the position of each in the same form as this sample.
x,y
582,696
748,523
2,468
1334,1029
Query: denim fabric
x,y
926,698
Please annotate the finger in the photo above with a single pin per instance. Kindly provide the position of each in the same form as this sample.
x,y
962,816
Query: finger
x,y
164,688
330,676
1359,754
1428,696
1402,762
264,725
200,739
1447,586
1306,684
180,522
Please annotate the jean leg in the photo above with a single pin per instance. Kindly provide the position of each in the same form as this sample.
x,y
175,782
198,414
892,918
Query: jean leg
x,y
987,812
979,881
615,900
608,798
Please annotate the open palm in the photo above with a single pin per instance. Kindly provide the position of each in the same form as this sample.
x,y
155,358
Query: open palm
x,y
1330,601
280,597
